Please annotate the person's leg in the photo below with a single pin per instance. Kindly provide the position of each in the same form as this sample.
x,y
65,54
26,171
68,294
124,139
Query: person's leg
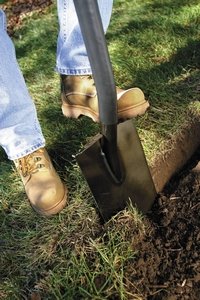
x,y
78,91
20,132
72,56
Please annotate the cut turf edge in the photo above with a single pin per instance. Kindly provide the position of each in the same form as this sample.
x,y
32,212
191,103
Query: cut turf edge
x,y
177,151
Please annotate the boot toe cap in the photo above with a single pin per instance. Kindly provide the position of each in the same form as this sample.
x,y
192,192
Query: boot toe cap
x,y
50,200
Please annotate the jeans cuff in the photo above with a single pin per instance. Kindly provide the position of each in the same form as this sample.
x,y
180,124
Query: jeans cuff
x,y
86,71
27,151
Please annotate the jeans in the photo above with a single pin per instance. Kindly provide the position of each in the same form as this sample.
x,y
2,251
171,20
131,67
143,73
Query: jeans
x,y
72,57
20,132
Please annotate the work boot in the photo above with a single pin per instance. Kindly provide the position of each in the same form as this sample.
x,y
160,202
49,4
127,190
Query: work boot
x,y
44,188
79,97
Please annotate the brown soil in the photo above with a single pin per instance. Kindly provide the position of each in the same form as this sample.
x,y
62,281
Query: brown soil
x,y
17,10
168,262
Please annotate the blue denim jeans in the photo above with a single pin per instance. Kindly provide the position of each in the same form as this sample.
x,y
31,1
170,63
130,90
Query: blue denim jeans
x,y
20,132
72,57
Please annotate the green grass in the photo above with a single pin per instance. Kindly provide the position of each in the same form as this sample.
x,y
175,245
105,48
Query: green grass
x,y
153,45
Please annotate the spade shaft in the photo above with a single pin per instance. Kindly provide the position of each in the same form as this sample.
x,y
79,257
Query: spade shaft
x,y
114,163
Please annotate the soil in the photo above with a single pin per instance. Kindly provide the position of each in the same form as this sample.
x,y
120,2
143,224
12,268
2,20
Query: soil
x,y
18,10
168,263
176,151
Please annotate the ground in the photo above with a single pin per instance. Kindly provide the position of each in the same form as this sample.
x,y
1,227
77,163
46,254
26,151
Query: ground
x,y
168,265
16,10
156,258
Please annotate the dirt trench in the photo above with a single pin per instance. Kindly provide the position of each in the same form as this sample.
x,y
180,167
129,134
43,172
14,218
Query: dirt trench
x,y
168,262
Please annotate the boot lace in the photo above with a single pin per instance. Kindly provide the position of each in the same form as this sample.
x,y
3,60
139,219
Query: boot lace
x,y
29,164
88,77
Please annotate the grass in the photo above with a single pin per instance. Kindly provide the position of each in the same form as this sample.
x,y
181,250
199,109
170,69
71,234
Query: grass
x,y
153,45
161,40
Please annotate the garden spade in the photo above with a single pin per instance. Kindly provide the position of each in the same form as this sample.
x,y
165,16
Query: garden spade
x,y
113,163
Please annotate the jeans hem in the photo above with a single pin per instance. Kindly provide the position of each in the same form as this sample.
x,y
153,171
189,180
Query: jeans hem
x,y
27,151
86,71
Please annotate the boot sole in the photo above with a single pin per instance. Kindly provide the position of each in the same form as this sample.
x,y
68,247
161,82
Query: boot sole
x,y
55,209
76,111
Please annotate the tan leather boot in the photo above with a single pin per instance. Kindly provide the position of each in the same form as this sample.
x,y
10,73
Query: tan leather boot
x,y
79,97
44,188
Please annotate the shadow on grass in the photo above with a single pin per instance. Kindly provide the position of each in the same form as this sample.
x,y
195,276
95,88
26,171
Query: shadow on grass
x,y
69,137
185,60
149,15
165,4
36,42
173,89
